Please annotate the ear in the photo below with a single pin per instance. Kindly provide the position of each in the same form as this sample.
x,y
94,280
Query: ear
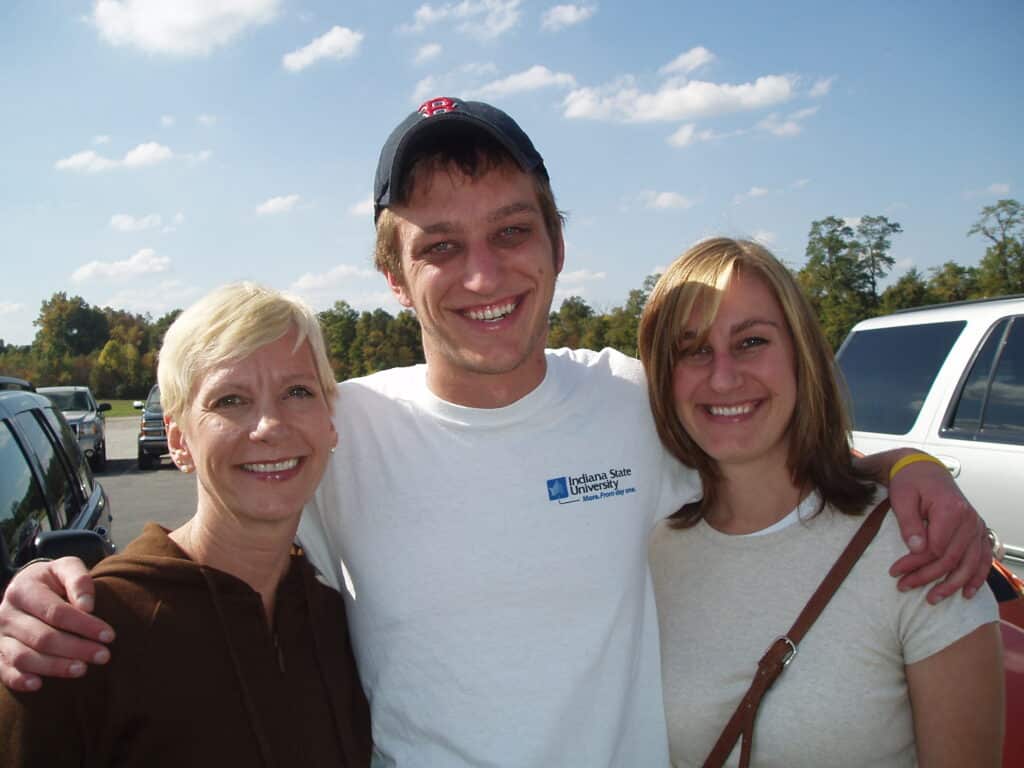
x,y
397,286
560,257
177,444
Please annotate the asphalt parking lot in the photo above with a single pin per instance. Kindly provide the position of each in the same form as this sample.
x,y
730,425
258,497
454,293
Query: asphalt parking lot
x,y
137,496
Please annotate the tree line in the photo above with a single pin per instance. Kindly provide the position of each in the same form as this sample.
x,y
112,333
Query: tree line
x,y
114,351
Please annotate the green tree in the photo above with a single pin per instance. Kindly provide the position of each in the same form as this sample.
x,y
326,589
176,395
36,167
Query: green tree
x,y
874,239
952,282
568,326
117,372
339,327
1001,270
911,290
68,329
834,278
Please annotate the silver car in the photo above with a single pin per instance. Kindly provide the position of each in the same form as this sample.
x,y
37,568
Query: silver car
x,y
85,416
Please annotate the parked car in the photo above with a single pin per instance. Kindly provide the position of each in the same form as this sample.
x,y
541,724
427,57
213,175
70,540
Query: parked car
x,y
86,418
50,504
11,382
949,379
152,435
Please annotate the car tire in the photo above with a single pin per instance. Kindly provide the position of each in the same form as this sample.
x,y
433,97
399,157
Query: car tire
x,y
99,459
145,460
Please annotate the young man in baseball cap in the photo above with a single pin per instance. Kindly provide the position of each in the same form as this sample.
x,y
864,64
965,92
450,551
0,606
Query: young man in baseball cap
x,y
487,513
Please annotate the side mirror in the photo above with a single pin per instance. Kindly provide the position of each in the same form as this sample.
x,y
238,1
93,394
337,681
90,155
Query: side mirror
x,y
138,405
104,407
88,546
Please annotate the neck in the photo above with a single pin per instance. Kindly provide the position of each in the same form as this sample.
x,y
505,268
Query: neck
x,y
258,554
482,389
751,498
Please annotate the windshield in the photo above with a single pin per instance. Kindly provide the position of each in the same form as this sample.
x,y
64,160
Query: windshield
x,y
153,401
69,401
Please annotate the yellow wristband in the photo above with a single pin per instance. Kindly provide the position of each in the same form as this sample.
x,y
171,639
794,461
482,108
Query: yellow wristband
x,y
913,458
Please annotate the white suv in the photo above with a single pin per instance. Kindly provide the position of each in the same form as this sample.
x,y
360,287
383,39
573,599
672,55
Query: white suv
x,y
948,379
85,416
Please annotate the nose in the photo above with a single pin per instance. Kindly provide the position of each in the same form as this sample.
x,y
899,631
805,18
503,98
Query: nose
x,y
725,373
482,269
269,425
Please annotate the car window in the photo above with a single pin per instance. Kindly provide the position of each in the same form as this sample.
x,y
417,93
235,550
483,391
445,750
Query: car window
x,y
967,416
22,509
991,403
59,489
71,450
889,371
153,401
70,401
1004,410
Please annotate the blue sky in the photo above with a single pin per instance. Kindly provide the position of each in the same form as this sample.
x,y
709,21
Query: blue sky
x,y
155,149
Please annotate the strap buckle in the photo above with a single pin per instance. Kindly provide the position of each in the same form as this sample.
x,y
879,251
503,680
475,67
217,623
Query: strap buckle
x,y
790,654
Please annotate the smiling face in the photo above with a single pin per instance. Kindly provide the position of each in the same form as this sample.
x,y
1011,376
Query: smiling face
x,y
258,432
479,268
735,391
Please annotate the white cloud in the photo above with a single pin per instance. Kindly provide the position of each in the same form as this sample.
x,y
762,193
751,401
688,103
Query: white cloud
x,y
665,200
580,276
124,222
157,299
143,262
363,208
101,139
195,158
456,81
10,308
688,134
336,43
189,28
789,125
428,52
764,237
624,102
482,19
87,161
333,277
998,188
179,218
688,61
149,153
206,119
821,87
281,204
167,120
561,16
750,193
800,183
532,79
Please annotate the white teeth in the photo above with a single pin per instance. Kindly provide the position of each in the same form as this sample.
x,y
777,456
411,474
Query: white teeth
x,y
277,466
730,410
491,314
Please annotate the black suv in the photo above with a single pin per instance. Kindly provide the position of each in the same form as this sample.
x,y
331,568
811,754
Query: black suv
x,y
152,435
50,505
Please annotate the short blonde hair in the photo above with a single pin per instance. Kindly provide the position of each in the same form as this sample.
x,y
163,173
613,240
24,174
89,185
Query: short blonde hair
x,y
819,453
229,324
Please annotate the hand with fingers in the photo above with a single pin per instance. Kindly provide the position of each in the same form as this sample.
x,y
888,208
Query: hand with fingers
x,y
46,626
948,540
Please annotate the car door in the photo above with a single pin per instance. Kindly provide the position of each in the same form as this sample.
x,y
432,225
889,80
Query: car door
x,y
980,433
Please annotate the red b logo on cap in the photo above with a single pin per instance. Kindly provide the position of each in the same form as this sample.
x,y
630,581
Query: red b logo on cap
x,y
433,107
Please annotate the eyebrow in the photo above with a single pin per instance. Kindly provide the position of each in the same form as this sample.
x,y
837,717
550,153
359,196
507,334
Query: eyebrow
x,y
738,328
446,227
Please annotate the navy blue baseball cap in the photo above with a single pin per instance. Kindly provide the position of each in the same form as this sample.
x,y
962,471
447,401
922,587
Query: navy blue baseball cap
x,y
441,114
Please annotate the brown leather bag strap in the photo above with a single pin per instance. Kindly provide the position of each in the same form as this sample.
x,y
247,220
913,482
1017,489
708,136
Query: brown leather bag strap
x,y
782,651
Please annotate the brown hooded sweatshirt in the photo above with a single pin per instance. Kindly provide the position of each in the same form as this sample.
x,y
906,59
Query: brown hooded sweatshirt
x,y
197,677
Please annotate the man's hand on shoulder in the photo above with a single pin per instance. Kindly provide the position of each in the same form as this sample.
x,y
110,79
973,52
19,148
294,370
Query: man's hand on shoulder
x,y
46,626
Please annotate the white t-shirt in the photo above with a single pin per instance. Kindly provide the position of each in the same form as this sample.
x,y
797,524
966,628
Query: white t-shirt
x,y
843,701
495,566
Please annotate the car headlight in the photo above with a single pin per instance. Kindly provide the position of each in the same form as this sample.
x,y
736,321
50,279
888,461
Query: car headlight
x,y
87,428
